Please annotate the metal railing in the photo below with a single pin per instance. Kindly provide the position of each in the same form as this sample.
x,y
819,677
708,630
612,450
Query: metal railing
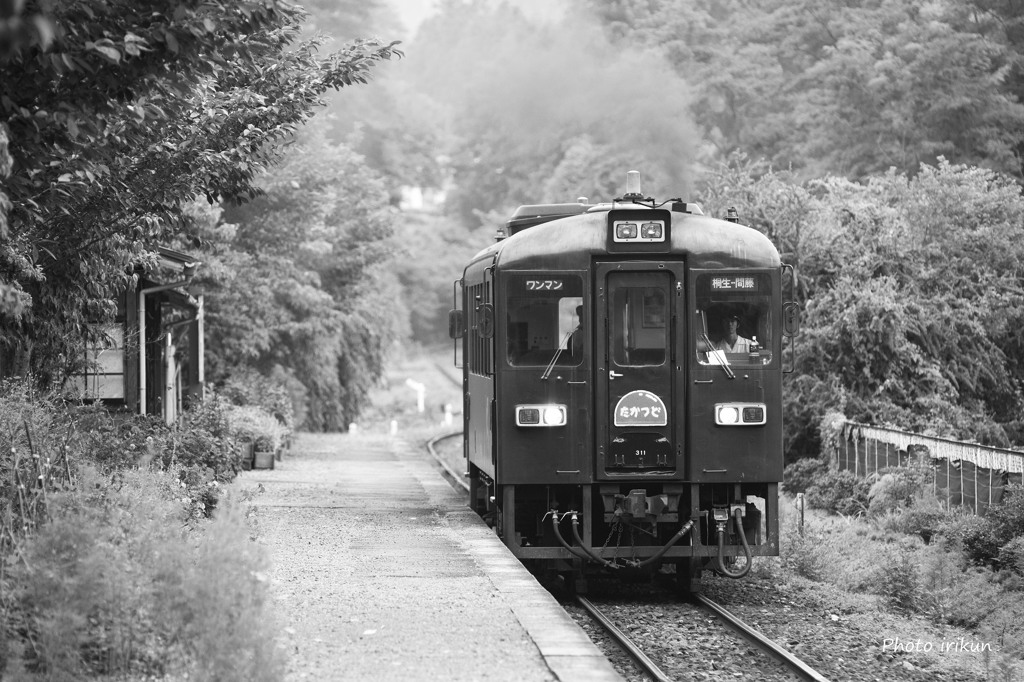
x,y
965,474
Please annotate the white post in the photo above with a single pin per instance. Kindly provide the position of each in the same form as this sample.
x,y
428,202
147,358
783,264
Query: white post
x,y
201,360
421,391
170,404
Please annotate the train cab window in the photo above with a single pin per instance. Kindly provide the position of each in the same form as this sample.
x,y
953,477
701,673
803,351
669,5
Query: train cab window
x,y
544,313
733,319
638,318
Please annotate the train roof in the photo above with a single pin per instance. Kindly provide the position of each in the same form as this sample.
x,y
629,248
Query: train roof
x,y
568,236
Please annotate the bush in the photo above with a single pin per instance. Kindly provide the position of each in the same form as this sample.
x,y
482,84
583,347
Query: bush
x,y
971,535
247,387
117,440
923,519
803,554
1011,556
955,593
802,474
895,489
110,586
34,457
900,580
839,492
981,538
1008,515
111,561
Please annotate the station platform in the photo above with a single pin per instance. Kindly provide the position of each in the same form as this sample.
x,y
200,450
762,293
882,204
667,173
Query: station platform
x,y
381,572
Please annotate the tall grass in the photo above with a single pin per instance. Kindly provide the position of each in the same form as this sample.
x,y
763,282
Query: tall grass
x,y
112,562
869,555
113,584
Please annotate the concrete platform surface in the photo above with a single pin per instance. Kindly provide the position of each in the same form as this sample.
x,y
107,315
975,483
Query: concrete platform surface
x,y
381,572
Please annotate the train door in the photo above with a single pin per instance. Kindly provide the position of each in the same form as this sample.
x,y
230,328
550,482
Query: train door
x,y
639,305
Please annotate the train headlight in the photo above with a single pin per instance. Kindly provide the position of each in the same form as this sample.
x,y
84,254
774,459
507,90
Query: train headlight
x,y
740,414
540,415
639,231
653,231
624,231
726,415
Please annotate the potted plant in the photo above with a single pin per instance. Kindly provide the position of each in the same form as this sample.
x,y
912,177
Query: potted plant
x,y
260,431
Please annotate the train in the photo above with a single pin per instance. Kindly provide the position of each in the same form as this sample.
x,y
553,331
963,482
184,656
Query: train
x,y
622,368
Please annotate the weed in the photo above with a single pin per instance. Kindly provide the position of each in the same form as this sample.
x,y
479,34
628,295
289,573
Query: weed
x,y
802,474
111,586
1011,556
112,562
895,489
900,581
802,553
973,536
923,517
840,492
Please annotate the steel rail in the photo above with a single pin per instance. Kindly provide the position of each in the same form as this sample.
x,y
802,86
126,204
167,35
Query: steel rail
x,y
457,477
794,664
647,665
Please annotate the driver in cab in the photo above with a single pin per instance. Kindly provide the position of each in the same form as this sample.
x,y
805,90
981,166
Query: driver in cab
x,y
731,341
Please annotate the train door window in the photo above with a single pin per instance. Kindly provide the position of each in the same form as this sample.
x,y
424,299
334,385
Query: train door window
x,y
733,319
543,315
639,315
480,321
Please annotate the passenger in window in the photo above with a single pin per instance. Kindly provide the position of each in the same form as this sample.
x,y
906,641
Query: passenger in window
x,y
576,340
731,341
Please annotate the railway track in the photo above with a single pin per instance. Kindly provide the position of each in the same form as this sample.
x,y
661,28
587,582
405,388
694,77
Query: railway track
x,y
642,661
455,476
680,662
756,637
787,666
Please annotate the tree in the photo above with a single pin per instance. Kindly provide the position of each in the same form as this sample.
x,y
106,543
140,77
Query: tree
x,y
903,84
133,111
294,279
843,87
914,307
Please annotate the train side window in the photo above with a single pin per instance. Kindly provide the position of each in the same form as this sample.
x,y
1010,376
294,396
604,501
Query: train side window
x,y
543,314
733,322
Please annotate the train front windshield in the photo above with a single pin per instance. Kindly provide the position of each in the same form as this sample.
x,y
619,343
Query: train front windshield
x,y
544,319
733,319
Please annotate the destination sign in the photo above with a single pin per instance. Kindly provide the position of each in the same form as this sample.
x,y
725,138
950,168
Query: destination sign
x,y
735,283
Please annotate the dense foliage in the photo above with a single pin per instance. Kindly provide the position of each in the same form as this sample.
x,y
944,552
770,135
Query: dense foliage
x,y
913,304
112,561
116,126
840,87
294,284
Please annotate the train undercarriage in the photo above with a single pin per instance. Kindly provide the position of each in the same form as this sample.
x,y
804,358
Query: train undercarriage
x,y
637,528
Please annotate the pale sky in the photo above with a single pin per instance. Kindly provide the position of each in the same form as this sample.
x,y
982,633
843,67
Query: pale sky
x,y
413,12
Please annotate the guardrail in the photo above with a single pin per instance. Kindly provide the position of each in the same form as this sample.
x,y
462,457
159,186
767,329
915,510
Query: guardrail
x,y
970,474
